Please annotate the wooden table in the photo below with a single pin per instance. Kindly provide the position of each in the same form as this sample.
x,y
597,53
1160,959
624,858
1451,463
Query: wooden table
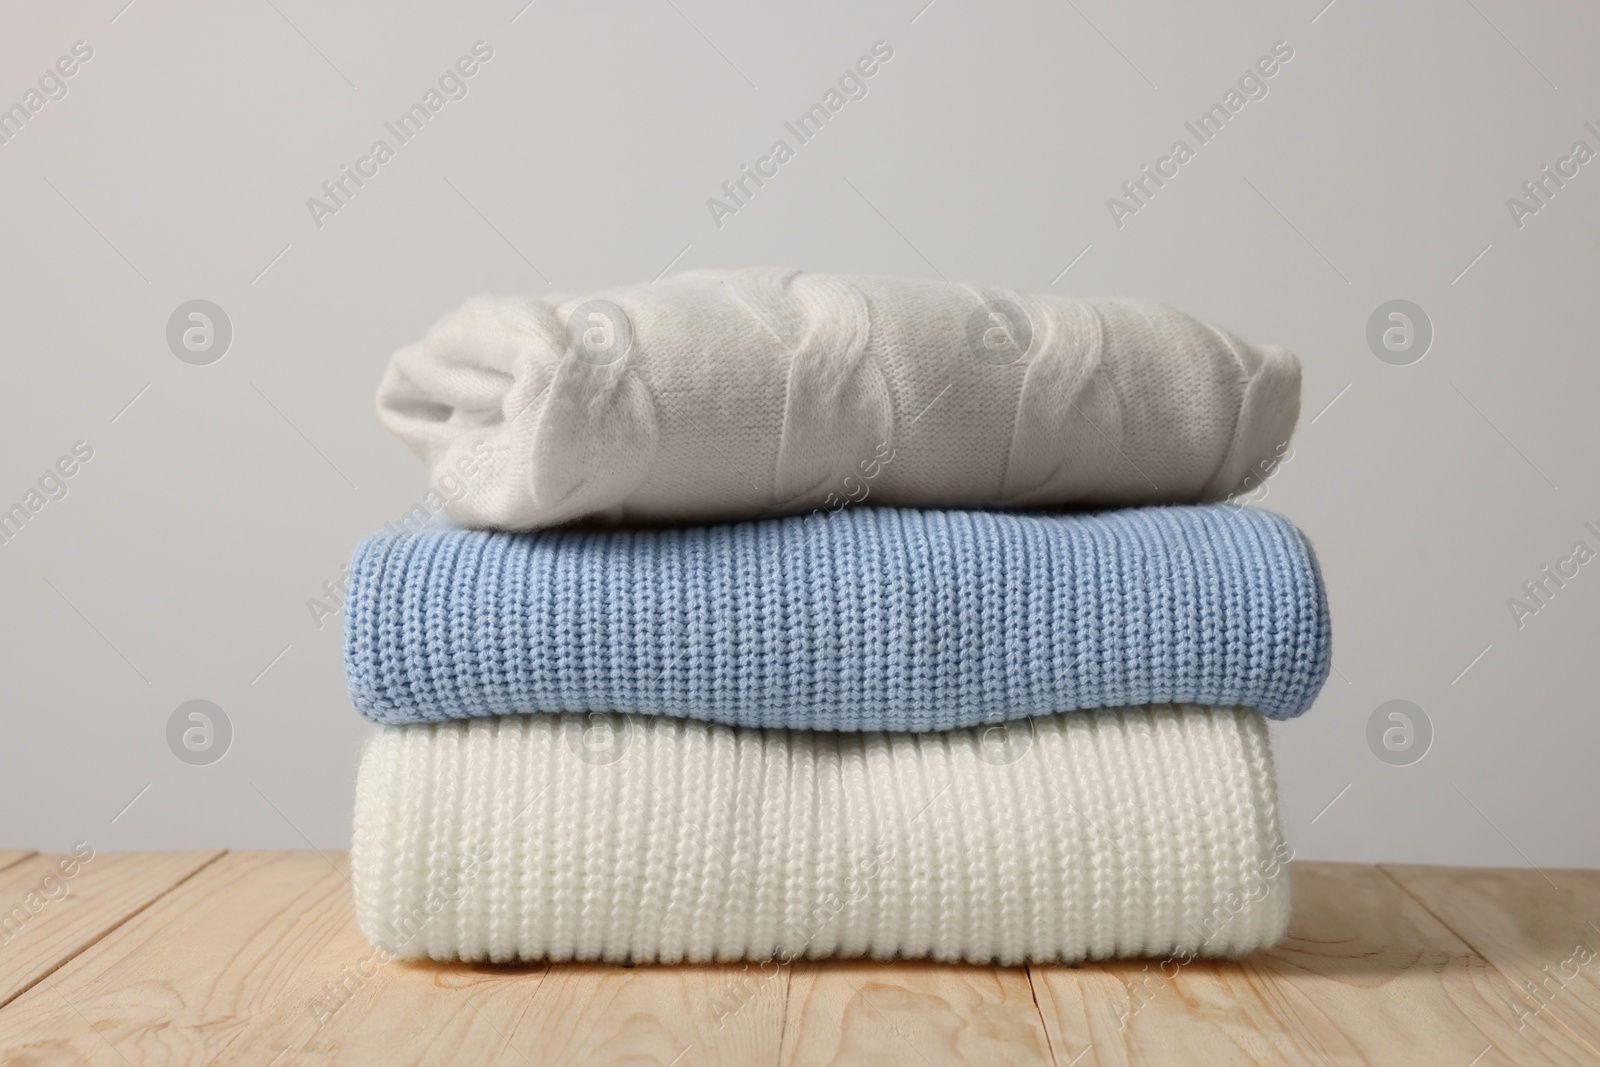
x,y
254,958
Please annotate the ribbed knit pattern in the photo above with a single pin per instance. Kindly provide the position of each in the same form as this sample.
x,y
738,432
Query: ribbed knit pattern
x,y
1123,832
871,619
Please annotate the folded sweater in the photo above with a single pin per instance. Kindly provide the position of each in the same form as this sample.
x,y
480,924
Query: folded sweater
x,y
738,394
1127,832
868,619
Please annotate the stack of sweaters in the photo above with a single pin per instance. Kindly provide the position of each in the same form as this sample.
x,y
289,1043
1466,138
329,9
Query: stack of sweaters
x,y
795,615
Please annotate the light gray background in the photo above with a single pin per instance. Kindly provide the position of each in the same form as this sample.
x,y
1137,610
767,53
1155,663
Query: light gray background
x,y
1378,167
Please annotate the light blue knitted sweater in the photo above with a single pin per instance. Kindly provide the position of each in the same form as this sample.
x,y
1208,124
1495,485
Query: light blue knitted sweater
x,y
870,619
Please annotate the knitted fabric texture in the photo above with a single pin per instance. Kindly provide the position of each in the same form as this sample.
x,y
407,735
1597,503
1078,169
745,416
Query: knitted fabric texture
x,y
1127,832
871,619
751,393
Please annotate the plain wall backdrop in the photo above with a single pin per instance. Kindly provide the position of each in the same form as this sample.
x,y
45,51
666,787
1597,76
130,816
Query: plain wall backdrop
x,y
221,498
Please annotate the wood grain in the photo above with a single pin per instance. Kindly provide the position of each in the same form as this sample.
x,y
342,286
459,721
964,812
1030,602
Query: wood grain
x,y
256,958
429,1013
1366,975
11,856
861,1012
219,969
53,907
1541,929
375,1010
721,1014
259,957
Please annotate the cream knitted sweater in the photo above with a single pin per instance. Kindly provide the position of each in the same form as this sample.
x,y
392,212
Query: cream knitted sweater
x,y
736,394
1130,832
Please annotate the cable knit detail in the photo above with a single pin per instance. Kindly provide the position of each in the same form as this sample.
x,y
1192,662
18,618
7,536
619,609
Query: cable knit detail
x,y
836,401
1127,832
869,619
763,391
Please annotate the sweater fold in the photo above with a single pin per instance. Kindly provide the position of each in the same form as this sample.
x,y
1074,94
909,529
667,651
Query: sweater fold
x,y
1117,833
867,619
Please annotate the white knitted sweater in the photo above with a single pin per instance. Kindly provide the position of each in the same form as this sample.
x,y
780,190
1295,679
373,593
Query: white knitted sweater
x,y
1130,832
735,394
